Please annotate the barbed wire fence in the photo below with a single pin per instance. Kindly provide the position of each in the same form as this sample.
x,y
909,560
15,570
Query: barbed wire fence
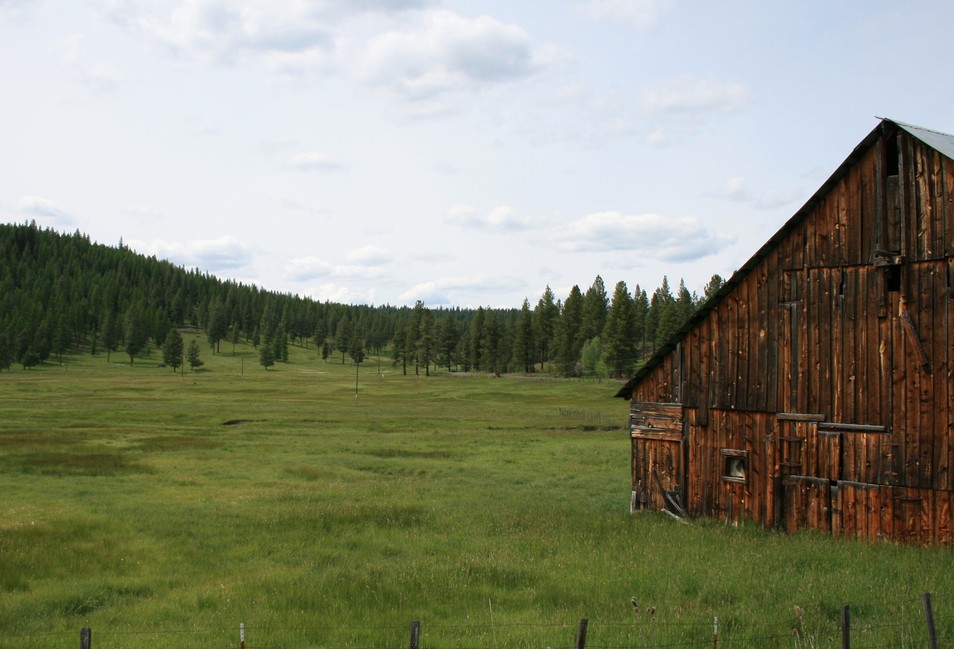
x,y
913,626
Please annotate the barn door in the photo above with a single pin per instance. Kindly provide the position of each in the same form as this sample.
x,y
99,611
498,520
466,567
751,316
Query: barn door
x,y
809,461
658,467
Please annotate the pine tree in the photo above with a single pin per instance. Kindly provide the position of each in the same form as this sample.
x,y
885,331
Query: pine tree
x,y
448,340
523,343
134,332
544,321
266,355
595,306
6,351
568,342
192,355
172,349
619,334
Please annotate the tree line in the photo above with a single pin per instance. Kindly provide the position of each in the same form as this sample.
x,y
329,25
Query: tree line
x,y
61,293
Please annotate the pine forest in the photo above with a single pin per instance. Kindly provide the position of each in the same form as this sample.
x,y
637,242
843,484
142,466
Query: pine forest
x,y
63,293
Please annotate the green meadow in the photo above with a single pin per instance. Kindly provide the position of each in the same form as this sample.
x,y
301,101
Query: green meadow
x,y
321,507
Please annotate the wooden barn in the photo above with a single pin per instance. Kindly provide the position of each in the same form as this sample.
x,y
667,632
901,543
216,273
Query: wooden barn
x,y
815,389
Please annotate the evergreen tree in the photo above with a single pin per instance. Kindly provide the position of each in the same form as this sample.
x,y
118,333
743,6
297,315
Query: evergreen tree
x,y
427,339
6,351
235,335
192,355
491,344
172,349
343,336
448,340
715,284
135,335
568,341
619,333
399,348
476,331
595,306
217,326
685,304
266,355
641,310
524,349
320,333
545,316
663,315
356,350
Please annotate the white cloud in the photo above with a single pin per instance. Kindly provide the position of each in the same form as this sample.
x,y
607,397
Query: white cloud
x,y
641,14
691,96
645,235
447,290
313,161
15,9
370,255
734,189
450,53
501,218
334,293
225,30
224,253
308,268
100,76
45,210
774,198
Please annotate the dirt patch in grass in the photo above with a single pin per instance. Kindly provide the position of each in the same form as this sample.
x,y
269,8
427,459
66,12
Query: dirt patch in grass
x,y
236,422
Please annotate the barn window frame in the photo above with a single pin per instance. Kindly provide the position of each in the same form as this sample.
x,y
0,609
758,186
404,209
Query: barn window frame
x,y
732,459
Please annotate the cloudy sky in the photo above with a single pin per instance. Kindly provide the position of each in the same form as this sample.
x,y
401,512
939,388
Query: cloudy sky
x,y
459,152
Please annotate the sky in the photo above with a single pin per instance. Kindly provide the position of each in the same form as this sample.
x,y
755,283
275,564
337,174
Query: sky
x,y
458,152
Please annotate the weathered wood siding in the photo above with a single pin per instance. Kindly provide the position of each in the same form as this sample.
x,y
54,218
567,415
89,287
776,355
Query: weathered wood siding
x,y
846,317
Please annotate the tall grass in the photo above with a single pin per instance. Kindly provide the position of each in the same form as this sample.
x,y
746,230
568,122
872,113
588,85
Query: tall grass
x,y
165,509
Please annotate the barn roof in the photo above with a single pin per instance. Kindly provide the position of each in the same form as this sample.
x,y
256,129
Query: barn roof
x,y
941,142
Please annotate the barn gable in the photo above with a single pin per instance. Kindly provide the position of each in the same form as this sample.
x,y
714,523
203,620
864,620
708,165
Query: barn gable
x,y
813,389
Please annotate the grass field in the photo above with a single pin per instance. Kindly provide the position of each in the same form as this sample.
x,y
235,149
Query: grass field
x,y
164,509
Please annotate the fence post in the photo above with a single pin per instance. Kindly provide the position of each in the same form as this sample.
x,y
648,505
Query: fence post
x,y
715,632
581,634
241,635
415,634
929,617
845,628
86,638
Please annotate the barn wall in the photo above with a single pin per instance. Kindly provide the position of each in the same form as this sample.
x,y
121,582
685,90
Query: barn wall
x,y
848,317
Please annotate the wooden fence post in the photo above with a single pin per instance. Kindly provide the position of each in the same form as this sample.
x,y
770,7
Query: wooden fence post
x,y
415,634
845,628
581,634
86,638
929,617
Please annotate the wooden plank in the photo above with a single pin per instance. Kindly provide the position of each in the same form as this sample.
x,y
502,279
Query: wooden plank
x,y
800,416
770,317
828,426
838,349
806,312
733,349
928,289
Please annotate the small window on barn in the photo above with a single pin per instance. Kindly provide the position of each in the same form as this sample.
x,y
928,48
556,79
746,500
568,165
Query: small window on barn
x,y
735,465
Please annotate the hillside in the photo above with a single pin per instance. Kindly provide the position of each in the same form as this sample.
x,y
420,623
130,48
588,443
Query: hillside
x,y
63,292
